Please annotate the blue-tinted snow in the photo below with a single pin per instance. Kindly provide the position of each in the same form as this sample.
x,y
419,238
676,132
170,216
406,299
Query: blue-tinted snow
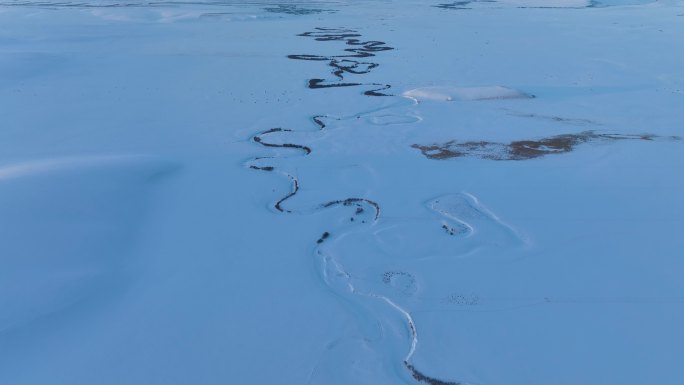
x,y
141,239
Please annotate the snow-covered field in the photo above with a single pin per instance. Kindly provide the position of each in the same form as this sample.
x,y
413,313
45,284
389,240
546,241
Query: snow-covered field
x,y
342,192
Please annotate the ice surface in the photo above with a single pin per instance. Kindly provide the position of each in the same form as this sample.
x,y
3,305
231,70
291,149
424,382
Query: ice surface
x,y
472,4
255,192
464,93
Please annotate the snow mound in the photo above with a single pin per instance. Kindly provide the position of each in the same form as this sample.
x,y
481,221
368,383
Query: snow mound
x,y
447,94
68,226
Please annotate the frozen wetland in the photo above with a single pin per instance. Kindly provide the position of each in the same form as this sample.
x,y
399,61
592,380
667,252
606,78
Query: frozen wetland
x,y
482,192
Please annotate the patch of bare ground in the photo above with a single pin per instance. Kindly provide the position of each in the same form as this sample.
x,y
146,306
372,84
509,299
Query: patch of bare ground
x,y
524,149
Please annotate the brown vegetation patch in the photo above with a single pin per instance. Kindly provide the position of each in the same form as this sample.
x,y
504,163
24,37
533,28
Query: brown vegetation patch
x,y
522,149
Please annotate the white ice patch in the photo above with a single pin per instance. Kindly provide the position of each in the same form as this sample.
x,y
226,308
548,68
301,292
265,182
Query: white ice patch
x,y
447,94
548,3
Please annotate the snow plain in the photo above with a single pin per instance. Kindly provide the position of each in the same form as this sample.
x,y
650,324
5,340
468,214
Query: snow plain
x,y
341,192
